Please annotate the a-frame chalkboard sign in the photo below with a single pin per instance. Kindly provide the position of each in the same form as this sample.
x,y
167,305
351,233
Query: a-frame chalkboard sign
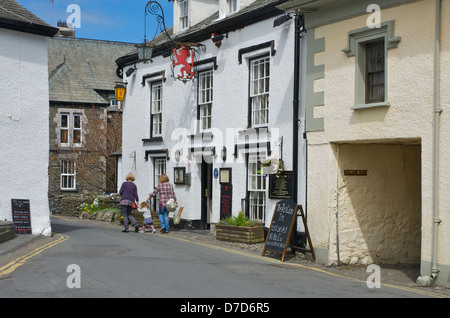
x,y
281,227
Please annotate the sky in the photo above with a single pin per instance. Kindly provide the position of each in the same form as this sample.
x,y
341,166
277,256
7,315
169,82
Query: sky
x,y
111,20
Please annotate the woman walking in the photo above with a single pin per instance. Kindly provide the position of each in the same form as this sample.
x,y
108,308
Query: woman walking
x,y
129,194
166,193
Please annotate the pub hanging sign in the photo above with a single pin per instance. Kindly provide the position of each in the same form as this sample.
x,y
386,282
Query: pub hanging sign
x,y
183,63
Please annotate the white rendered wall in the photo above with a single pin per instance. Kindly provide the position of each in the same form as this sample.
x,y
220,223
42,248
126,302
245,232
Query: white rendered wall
x,y
24,128
229,115
409,119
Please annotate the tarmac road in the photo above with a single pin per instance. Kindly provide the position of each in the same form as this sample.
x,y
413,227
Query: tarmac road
x,y
104,262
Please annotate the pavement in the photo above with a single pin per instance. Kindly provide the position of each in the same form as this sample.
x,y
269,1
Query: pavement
x,y
20,241
400,275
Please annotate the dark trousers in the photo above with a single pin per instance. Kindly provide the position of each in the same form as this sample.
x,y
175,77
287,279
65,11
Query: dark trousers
x,y
126,213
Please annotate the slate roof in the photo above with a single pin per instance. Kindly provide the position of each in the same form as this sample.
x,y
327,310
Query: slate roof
x,y
79,69
253,13
213,20
14,16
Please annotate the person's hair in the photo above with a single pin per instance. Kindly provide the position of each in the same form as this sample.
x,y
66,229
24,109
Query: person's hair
x,y
145,205
130,177
163,178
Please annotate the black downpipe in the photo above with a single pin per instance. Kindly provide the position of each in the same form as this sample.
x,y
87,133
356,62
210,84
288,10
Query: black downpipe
x,y
296,104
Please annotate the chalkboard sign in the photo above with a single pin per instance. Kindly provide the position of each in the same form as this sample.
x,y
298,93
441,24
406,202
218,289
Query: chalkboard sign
x,y
226,196
280,186
21,216
281,227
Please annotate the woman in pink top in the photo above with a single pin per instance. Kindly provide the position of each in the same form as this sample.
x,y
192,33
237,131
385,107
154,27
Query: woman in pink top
x,y
166,193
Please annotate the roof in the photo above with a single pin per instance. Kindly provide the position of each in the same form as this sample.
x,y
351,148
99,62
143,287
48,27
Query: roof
x,y
80,69
15,17
257,11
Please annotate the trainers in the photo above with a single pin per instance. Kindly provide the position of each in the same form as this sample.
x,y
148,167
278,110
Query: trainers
x,y
141,231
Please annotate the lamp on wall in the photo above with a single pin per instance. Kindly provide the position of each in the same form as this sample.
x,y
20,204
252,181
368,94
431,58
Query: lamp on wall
x,y
119,90
224,153
145,52
280,20
217,38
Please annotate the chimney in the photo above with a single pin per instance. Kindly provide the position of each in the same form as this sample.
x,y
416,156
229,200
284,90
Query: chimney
x,y
65,30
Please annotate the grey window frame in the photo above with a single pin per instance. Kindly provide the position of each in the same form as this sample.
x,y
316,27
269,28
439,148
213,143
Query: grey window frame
x,y
356,47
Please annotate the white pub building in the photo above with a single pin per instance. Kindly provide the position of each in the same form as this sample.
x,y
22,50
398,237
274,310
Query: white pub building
x,y
223,123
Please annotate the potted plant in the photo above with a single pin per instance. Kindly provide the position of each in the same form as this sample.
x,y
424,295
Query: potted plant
x,y
239,229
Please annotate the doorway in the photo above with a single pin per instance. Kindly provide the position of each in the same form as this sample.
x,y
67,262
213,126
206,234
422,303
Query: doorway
x,y
380,208
206,193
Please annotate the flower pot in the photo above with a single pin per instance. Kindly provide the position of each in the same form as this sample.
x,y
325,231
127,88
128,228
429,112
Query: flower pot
x,y
240,234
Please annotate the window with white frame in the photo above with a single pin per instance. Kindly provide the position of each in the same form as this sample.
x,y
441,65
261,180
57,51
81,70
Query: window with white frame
x,y
259,90
184,14
205,99
232,6
256,188
68,174
70,129
156,111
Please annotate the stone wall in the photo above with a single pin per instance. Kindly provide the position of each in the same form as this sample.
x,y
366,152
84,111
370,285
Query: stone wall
x,y
67,202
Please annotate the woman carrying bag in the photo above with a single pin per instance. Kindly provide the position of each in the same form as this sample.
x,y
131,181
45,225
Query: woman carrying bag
x,y
166,193
129,194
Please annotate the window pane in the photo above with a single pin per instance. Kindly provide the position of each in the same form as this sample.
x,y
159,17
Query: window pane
x,y
76,121
64,120
64,136
375,73
156,109
76,136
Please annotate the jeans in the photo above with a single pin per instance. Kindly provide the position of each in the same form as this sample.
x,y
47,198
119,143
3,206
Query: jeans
x,y
126,213
164,217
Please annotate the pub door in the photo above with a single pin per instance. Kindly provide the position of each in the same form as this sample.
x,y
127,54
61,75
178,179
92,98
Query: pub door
x,y
206,193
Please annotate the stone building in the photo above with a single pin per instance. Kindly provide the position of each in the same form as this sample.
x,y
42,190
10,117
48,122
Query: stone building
x,y
85,120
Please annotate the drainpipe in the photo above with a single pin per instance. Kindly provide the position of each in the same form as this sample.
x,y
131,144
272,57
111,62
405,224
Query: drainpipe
x,y
296,101
337,207
437,112
423,279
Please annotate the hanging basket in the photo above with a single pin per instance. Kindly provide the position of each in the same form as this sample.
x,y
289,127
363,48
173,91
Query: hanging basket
x,y
272,166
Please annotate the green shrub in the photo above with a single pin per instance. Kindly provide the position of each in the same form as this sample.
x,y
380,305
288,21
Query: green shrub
x,y
239,220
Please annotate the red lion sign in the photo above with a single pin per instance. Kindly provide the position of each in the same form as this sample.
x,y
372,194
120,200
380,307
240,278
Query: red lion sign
x,y
183,63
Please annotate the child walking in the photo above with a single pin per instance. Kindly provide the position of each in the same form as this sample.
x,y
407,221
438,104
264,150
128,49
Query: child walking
x,y
148,220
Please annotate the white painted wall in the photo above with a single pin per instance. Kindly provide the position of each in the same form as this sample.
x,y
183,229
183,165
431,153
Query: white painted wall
x,y
409,119
229,113
24,128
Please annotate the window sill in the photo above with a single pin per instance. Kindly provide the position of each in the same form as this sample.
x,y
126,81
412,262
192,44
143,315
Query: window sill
x,y
153,139
373,105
